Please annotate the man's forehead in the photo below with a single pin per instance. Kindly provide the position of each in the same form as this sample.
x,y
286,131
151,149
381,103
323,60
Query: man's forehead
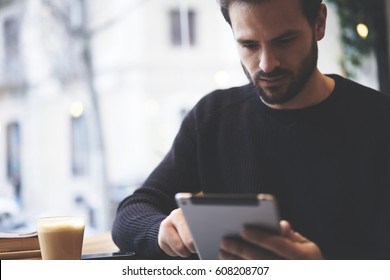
x,y
271,19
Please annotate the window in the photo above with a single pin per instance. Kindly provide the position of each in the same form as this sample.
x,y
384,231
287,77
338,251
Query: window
x,y
13,150
80,151
12,63
13,159
182,27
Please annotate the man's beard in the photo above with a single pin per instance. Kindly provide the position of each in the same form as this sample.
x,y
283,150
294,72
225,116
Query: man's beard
x,y
274,96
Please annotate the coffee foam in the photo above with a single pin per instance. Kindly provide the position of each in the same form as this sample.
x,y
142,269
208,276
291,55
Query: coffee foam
x,y
61,224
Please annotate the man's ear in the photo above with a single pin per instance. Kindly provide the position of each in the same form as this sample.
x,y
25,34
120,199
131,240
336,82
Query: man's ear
x,y
320,23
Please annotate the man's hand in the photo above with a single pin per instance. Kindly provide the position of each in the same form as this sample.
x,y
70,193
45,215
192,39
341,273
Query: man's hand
x,y
174,236
259,244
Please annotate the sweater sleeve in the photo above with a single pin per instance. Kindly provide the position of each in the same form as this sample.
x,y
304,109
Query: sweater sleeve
x,y
139,216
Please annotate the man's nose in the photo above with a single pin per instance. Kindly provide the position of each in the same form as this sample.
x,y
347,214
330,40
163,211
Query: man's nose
x,y
268,61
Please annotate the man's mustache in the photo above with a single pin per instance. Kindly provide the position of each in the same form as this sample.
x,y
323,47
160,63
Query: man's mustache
x,y
277,72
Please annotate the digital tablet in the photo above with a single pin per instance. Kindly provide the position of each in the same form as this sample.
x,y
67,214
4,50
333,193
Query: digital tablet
x,y
110,256
211,217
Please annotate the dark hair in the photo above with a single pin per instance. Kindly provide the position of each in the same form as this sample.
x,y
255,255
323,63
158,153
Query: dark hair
x,y
311,8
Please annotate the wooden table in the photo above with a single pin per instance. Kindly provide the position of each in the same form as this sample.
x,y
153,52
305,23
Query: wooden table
x,y
101,243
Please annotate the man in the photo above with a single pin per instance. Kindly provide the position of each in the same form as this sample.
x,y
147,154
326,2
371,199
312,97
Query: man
x,y
319,143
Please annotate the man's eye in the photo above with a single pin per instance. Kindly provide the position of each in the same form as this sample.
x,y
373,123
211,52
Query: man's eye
x,y
286,40
250,46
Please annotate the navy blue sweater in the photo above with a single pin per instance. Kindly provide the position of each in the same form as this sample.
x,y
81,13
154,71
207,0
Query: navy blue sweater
x,y
328,166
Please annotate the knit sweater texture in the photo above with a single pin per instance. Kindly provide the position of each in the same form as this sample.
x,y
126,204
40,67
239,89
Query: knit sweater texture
x,y
328,165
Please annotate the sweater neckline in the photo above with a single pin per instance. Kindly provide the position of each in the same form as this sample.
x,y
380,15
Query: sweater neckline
x,y
313,108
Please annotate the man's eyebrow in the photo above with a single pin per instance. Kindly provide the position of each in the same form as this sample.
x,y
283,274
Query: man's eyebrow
x,y
286,34
246,41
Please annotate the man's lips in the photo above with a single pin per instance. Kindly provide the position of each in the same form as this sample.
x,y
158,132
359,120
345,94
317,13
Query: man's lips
x,y
272,81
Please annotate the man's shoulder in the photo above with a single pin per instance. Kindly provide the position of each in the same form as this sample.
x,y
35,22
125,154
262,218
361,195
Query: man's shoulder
x,y
221,101
349,86
229,96
359,94
362,100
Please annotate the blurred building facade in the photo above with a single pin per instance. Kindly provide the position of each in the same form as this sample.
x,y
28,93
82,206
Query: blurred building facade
x,y
92,93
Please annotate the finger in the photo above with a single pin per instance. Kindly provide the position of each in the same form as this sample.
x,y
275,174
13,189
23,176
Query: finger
x,y
288,232
223,255
285,227
289,245
170,241
244,250
183,230
177,246
278,244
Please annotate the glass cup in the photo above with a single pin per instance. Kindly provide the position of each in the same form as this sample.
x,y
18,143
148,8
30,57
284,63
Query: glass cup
x,y
61,238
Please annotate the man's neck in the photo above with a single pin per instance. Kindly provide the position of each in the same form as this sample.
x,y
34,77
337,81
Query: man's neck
x,y
317,88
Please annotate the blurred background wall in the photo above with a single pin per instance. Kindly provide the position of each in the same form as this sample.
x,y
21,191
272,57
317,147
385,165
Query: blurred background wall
x,y
92,93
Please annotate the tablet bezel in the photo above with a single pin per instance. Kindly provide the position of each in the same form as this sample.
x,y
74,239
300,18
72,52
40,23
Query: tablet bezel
x,y
211,217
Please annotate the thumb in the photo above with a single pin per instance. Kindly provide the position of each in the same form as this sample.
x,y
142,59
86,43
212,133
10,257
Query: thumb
x,y
289,233
286,228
